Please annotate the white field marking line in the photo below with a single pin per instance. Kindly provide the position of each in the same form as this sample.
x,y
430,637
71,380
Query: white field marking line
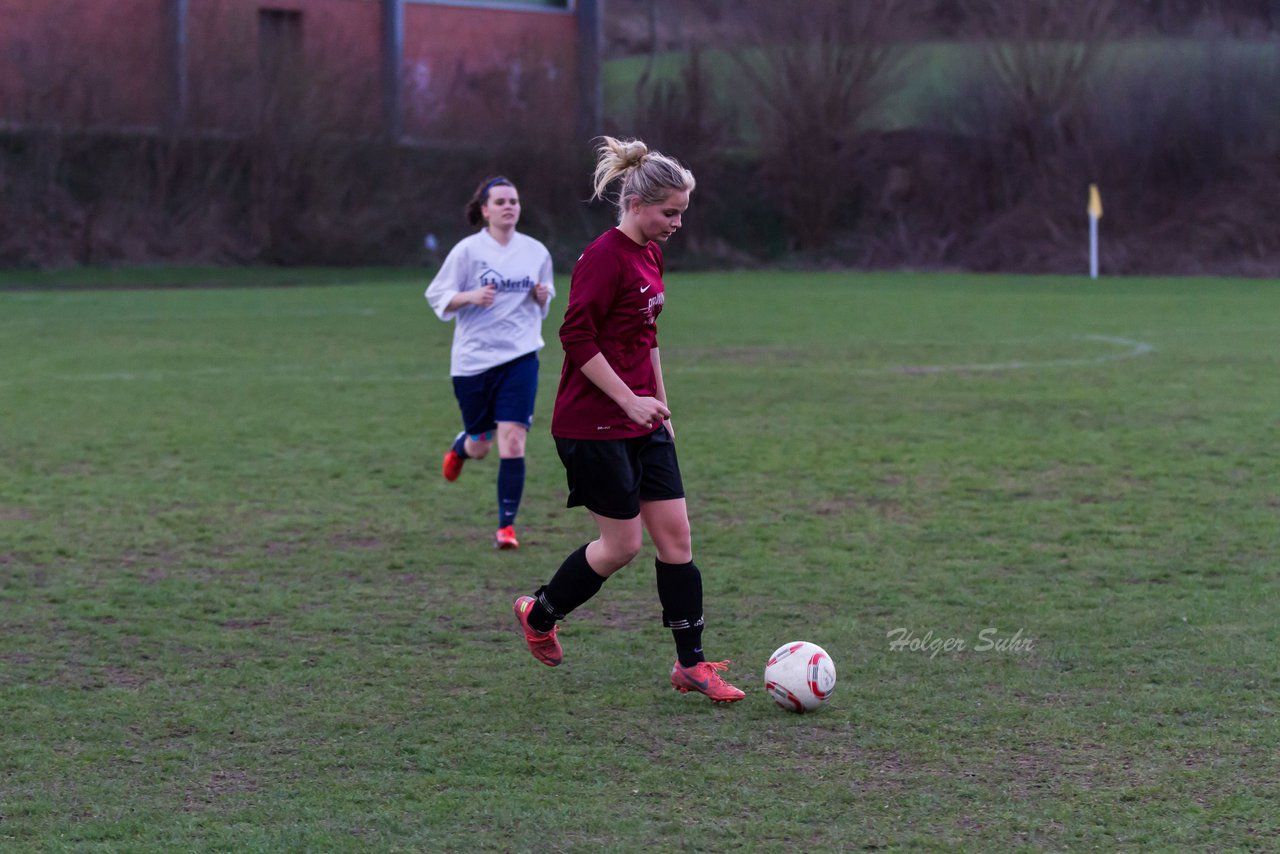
x,y
279,373
288,373
1200,332
1135,349
190,318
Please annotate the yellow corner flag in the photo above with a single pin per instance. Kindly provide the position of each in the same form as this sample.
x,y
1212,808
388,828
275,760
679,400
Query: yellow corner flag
x,y
1095,202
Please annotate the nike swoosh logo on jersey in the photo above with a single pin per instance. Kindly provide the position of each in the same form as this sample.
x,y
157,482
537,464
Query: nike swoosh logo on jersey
x,y
645,288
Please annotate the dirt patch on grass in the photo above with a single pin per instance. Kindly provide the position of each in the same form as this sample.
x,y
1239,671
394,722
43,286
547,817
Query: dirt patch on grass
x,y
746,355
155,565
354,541
237,624
280,548
886,508
84,676
123,677
222,784
619,616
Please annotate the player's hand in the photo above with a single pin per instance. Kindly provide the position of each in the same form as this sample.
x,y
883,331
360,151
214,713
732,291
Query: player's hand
x,y
647,411
540,293
484,296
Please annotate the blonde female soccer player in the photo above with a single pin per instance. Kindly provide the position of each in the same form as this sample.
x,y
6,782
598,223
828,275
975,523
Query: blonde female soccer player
x,y
611,422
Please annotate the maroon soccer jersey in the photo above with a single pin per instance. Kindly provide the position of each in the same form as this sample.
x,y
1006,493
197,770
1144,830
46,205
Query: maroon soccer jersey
x,y
615,296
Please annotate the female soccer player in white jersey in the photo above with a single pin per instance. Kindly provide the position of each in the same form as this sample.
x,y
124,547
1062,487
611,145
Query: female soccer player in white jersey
x,y
496,285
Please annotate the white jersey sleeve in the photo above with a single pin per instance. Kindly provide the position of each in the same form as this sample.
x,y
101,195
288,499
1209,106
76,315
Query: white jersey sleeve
x,y
449,282
547,277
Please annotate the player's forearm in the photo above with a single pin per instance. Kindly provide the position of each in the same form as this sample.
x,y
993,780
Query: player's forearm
x,y
460,299
657,375
601,373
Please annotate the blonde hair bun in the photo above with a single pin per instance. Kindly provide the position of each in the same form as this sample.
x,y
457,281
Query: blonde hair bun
x,y
649,176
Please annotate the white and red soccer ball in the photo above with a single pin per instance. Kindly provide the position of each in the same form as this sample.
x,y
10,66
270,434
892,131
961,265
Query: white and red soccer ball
x,y
800,676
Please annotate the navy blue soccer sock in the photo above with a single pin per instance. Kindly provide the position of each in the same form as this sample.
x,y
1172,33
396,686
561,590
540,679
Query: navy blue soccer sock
x,y
460,446
510,488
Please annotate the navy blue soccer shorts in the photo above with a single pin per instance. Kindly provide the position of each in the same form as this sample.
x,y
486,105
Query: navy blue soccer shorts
x,y
502,393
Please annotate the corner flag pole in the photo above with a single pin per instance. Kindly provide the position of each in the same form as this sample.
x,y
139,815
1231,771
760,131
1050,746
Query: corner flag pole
x,y
1095,214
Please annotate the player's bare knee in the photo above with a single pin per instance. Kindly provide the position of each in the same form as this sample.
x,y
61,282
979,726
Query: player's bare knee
x,y
511,440
623,555
614,555
673,544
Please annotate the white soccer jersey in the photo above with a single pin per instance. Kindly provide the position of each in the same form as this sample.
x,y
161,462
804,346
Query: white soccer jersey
x,y
512,326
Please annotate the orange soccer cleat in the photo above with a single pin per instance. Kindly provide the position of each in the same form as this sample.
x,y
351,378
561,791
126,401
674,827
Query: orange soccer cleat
x,y
704,677
505,538
544,645
452,465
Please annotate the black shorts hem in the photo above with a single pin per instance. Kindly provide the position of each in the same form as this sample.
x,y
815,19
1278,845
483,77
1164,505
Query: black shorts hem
x,y
608,514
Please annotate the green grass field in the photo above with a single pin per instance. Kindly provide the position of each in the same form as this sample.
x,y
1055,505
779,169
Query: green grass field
x,y
242,611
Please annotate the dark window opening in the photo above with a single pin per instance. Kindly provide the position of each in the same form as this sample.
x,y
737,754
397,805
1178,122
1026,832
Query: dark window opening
x,y
279,42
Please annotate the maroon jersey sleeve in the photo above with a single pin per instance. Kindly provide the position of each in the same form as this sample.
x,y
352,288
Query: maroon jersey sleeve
x,y
591,294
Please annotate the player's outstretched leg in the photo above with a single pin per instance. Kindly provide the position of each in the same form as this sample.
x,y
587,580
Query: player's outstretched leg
x,y
573,584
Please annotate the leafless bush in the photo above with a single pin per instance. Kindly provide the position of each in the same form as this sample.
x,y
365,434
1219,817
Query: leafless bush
x,y
813,79
692,118
1186,124
1043,57
655,26
514,121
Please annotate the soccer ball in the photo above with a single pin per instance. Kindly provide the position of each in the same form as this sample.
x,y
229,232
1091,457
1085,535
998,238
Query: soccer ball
x,y
800,676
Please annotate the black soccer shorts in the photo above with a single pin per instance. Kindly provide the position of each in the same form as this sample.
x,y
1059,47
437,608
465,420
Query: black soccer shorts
x,y
610,477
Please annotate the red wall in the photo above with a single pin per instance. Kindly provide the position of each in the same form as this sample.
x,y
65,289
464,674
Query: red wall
x,y
82,62
341,61
467,70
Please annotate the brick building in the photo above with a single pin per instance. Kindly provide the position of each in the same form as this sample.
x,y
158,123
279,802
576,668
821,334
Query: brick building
x,y
407,69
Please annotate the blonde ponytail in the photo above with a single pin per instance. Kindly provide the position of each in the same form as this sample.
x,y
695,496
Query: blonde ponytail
x,y
649,176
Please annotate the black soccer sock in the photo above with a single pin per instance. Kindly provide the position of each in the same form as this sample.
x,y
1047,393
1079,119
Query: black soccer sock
x,y
460,447
680,592
574,583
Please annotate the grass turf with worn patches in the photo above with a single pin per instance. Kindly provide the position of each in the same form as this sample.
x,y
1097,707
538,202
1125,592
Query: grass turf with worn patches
x,y
242,610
